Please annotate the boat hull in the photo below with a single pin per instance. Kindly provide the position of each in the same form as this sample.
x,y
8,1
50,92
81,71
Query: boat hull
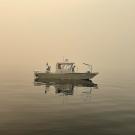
x,y
64,76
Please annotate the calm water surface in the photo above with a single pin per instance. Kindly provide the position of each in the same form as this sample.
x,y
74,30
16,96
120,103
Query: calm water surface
x,y
41,110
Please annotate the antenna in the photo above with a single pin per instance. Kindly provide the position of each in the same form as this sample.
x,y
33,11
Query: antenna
x,y
63,58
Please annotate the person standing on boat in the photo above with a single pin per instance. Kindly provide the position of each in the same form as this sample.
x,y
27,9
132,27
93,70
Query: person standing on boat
x,y
48,68
73,68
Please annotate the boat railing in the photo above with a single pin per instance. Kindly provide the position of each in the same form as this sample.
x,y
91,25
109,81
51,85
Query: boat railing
x,y
90,67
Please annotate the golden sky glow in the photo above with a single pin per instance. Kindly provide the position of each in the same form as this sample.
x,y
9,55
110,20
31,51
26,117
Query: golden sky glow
x,y
101,32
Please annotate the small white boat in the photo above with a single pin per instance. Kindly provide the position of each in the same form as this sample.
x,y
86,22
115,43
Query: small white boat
x,y
64,71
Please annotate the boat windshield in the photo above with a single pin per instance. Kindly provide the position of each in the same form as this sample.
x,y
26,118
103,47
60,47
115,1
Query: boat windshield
x,y
64,66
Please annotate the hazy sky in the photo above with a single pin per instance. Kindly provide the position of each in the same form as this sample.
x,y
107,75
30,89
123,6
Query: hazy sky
x,y
101,32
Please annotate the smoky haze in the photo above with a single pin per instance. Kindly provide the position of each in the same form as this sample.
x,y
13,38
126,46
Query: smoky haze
x,y
100,32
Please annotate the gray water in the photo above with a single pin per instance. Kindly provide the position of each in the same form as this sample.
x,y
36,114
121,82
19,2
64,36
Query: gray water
x,y
26,109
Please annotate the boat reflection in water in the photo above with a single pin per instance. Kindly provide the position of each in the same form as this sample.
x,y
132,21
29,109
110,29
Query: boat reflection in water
x,y
65,87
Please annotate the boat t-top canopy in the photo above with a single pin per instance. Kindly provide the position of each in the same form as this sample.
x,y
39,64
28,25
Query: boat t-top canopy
x,y
66,63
